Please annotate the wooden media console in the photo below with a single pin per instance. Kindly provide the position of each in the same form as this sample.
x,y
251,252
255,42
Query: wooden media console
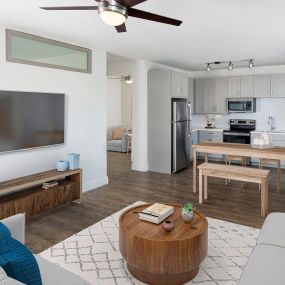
x,y
26,195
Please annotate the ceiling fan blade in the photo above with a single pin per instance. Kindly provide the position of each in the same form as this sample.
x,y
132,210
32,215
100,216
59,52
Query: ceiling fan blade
x,y
153,17
71,8
130,3
121,29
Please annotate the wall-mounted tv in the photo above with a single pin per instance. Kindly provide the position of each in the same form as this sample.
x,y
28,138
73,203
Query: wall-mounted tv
x,y
30,120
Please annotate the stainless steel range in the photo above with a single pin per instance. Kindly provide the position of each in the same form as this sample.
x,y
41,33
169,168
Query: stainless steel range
x,y
239,131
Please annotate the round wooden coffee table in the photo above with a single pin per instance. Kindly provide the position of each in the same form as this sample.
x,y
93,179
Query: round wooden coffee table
x,y
157,257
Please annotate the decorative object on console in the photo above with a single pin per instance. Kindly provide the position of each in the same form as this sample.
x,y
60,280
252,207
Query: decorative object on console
x,y
156,213
62,165
73,161
168,226
50,184
187,212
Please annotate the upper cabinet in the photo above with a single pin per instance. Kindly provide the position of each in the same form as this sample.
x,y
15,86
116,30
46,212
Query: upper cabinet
x,y
222,86
278,85
179,85
191,92
210,95
200,96
246,86
262,86
234,87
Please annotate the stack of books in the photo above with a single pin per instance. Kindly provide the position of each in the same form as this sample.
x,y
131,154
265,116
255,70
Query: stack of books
x,y
156,213
50,184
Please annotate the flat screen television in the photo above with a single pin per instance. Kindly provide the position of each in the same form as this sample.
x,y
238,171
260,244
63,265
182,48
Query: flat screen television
x,y
30,120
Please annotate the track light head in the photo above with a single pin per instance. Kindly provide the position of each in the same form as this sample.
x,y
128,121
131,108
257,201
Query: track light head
x,y
208,67
231,66
251,63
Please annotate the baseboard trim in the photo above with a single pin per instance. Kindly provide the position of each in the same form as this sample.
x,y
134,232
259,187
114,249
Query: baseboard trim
x,y
95,184
143,167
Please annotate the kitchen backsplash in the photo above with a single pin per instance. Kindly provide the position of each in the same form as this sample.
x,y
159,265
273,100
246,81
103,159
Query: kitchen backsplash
x,y
265,107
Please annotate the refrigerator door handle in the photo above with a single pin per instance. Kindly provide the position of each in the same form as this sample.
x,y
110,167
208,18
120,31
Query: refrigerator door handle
x,y
189,119
174,114
174,154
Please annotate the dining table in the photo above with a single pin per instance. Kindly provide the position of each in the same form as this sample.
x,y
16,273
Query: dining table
x,y
233,149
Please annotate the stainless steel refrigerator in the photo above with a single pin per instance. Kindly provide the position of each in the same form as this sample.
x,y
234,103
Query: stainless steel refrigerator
x,y
181,133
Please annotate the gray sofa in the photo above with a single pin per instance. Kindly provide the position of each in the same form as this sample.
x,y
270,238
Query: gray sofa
x,y
117,145
51,273
266,265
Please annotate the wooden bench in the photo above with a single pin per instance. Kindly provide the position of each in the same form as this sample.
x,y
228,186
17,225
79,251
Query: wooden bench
x,y
245,174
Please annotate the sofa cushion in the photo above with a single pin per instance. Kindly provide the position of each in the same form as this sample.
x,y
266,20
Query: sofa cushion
x,y
118,133
265,266
52,274
17,261
5,280
273,230
115,143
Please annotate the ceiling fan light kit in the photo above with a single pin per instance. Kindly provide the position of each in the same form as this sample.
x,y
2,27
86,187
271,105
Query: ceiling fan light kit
x,y
112,13
116,12
230,64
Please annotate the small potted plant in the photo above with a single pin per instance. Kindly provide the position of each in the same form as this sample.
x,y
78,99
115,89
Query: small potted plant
x,y
187,212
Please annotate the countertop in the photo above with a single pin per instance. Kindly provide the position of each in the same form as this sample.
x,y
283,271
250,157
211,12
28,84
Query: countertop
x,y
196,129
270,132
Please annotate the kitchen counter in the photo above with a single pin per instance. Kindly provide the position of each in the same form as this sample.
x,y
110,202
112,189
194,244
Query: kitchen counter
x,y
270,132
196,129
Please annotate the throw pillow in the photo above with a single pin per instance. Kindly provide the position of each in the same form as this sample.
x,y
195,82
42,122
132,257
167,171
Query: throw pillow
x,y
17,261
118,133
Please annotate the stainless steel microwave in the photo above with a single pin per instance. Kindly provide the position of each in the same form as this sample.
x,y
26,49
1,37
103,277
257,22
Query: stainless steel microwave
x,y
241,105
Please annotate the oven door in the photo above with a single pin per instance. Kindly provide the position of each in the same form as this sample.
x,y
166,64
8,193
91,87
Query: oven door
x,y
231,137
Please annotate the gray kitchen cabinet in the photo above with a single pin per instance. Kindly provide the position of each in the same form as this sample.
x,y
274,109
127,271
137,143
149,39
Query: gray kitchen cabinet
x,y
179,85
278,85
191,93
234,87
246,86
220,107
200,96
211,136
210,95
262,86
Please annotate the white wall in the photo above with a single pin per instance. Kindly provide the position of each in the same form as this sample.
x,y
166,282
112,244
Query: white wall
x,y
85,117
265,106
127,90
114,103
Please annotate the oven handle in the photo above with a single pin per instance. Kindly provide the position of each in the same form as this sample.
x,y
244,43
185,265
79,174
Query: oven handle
x,y
238,134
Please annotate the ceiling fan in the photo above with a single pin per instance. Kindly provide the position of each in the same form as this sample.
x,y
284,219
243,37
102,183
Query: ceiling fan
x,y
116,12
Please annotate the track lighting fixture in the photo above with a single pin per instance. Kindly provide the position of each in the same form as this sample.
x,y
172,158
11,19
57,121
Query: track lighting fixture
x,y
230,63
231,66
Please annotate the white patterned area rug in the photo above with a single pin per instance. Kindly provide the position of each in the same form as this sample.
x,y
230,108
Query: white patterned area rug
x,y
94,253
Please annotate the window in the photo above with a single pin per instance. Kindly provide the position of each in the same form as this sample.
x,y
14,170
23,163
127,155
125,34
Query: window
x,y
29,49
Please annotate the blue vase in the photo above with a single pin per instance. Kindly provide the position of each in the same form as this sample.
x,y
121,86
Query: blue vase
x,y
73,160
62,165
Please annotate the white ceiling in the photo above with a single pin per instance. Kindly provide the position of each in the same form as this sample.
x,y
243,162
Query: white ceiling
x,y
212,30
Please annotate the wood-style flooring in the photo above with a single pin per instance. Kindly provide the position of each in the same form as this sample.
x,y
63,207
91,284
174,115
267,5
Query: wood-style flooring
x,y
230,203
